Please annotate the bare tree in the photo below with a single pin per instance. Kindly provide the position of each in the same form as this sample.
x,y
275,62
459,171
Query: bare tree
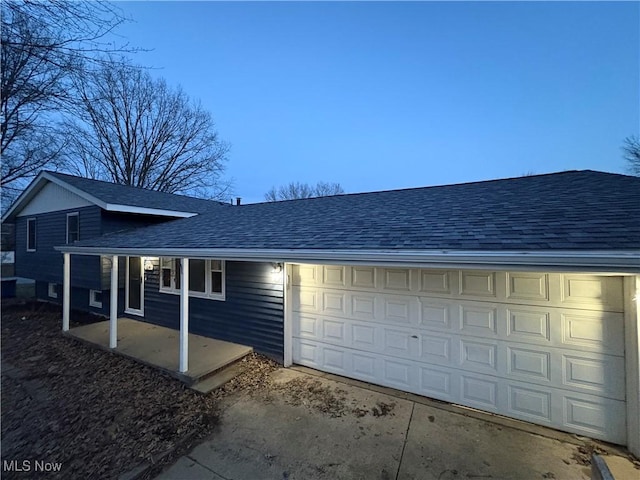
x,y
135,130
43,44
294,190
631,149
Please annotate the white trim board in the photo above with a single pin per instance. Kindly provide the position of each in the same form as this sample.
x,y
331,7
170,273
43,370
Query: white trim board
x,y
75,198
610,261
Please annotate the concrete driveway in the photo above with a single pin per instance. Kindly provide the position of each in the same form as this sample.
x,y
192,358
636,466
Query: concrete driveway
x,y
313,427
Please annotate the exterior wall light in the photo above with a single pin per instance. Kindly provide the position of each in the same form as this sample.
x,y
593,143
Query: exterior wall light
x,y
148,264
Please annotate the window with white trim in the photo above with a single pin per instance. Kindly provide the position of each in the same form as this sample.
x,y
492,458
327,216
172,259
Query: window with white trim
x,y
95,298
206,277
31,234
73,227
52,290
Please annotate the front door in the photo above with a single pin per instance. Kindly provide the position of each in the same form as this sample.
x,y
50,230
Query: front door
x,y
135,286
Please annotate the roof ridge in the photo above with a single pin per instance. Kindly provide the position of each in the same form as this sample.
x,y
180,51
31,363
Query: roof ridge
x,y
51,172
448,185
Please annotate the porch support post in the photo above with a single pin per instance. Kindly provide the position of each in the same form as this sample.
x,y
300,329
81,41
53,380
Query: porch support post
x,y
113,306
66,291
184,316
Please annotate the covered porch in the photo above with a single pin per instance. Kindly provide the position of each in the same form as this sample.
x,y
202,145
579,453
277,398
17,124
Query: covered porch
x,y
158,347
176,356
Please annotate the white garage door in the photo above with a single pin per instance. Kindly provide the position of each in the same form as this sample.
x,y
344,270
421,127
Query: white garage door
x,y
541,347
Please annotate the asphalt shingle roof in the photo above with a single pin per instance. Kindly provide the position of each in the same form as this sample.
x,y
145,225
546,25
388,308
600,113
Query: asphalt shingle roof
x,y
574,210
137,197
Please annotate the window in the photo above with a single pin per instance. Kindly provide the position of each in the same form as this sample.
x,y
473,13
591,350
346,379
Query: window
x,y
216,277
206,277
95,298
169,274
52,290
73,227
31,234
197,276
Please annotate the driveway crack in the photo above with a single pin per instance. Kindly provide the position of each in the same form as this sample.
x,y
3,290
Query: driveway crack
x,y
406,436
206,468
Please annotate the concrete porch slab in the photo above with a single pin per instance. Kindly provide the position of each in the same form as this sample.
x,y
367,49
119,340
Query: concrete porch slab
x,y
158,347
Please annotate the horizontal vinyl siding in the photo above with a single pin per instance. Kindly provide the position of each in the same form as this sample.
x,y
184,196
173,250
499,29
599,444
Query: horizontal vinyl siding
x,y
252,313
80,298
45,264
112,222
106,271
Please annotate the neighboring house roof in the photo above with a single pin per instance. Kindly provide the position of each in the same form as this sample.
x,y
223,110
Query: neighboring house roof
x,y
577,211
116,198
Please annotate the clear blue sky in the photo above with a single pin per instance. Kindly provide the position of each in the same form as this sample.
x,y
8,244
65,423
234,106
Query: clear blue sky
x,y
391,95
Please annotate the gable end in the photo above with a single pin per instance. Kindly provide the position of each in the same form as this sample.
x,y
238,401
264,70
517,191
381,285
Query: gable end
x,y
53,198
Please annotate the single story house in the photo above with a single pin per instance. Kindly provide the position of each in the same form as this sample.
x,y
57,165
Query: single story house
x,y
517,297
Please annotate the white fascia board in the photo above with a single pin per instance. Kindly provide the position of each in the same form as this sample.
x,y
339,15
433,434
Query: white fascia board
x,y
37,184
112,207
81,193
590,261
27,194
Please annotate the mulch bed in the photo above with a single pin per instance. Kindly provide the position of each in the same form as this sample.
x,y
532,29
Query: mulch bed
x,y
98,414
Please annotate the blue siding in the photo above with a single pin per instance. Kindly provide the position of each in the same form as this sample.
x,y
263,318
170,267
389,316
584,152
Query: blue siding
x,y
252,313
80,298
87,272
45,264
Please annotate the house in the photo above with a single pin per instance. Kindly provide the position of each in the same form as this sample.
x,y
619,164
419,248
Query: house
x,y
59,209
517,297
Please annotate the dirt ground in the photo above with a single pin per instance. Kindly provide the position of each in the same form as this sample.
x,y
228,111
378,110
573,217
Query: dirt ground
x,y
96,413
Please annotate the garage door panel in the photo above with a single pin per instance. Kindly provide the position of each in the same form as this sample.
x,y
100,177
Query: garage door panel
x,y
363,337
436,349
530,403
582,371
598,374
363,277
528,325
476,355
477,284
595,331
306,300
307,353
481,393
529,365
400,343
436,314
541,347
306,326
596,417
584,291
398,373
363,306
479,319
364,366
437,282
438,383
526,286
396,279
305,275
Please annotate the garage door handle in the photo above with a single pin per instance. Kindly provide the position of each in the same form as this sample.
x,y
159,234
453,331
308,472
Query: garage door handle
x,y
414,336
